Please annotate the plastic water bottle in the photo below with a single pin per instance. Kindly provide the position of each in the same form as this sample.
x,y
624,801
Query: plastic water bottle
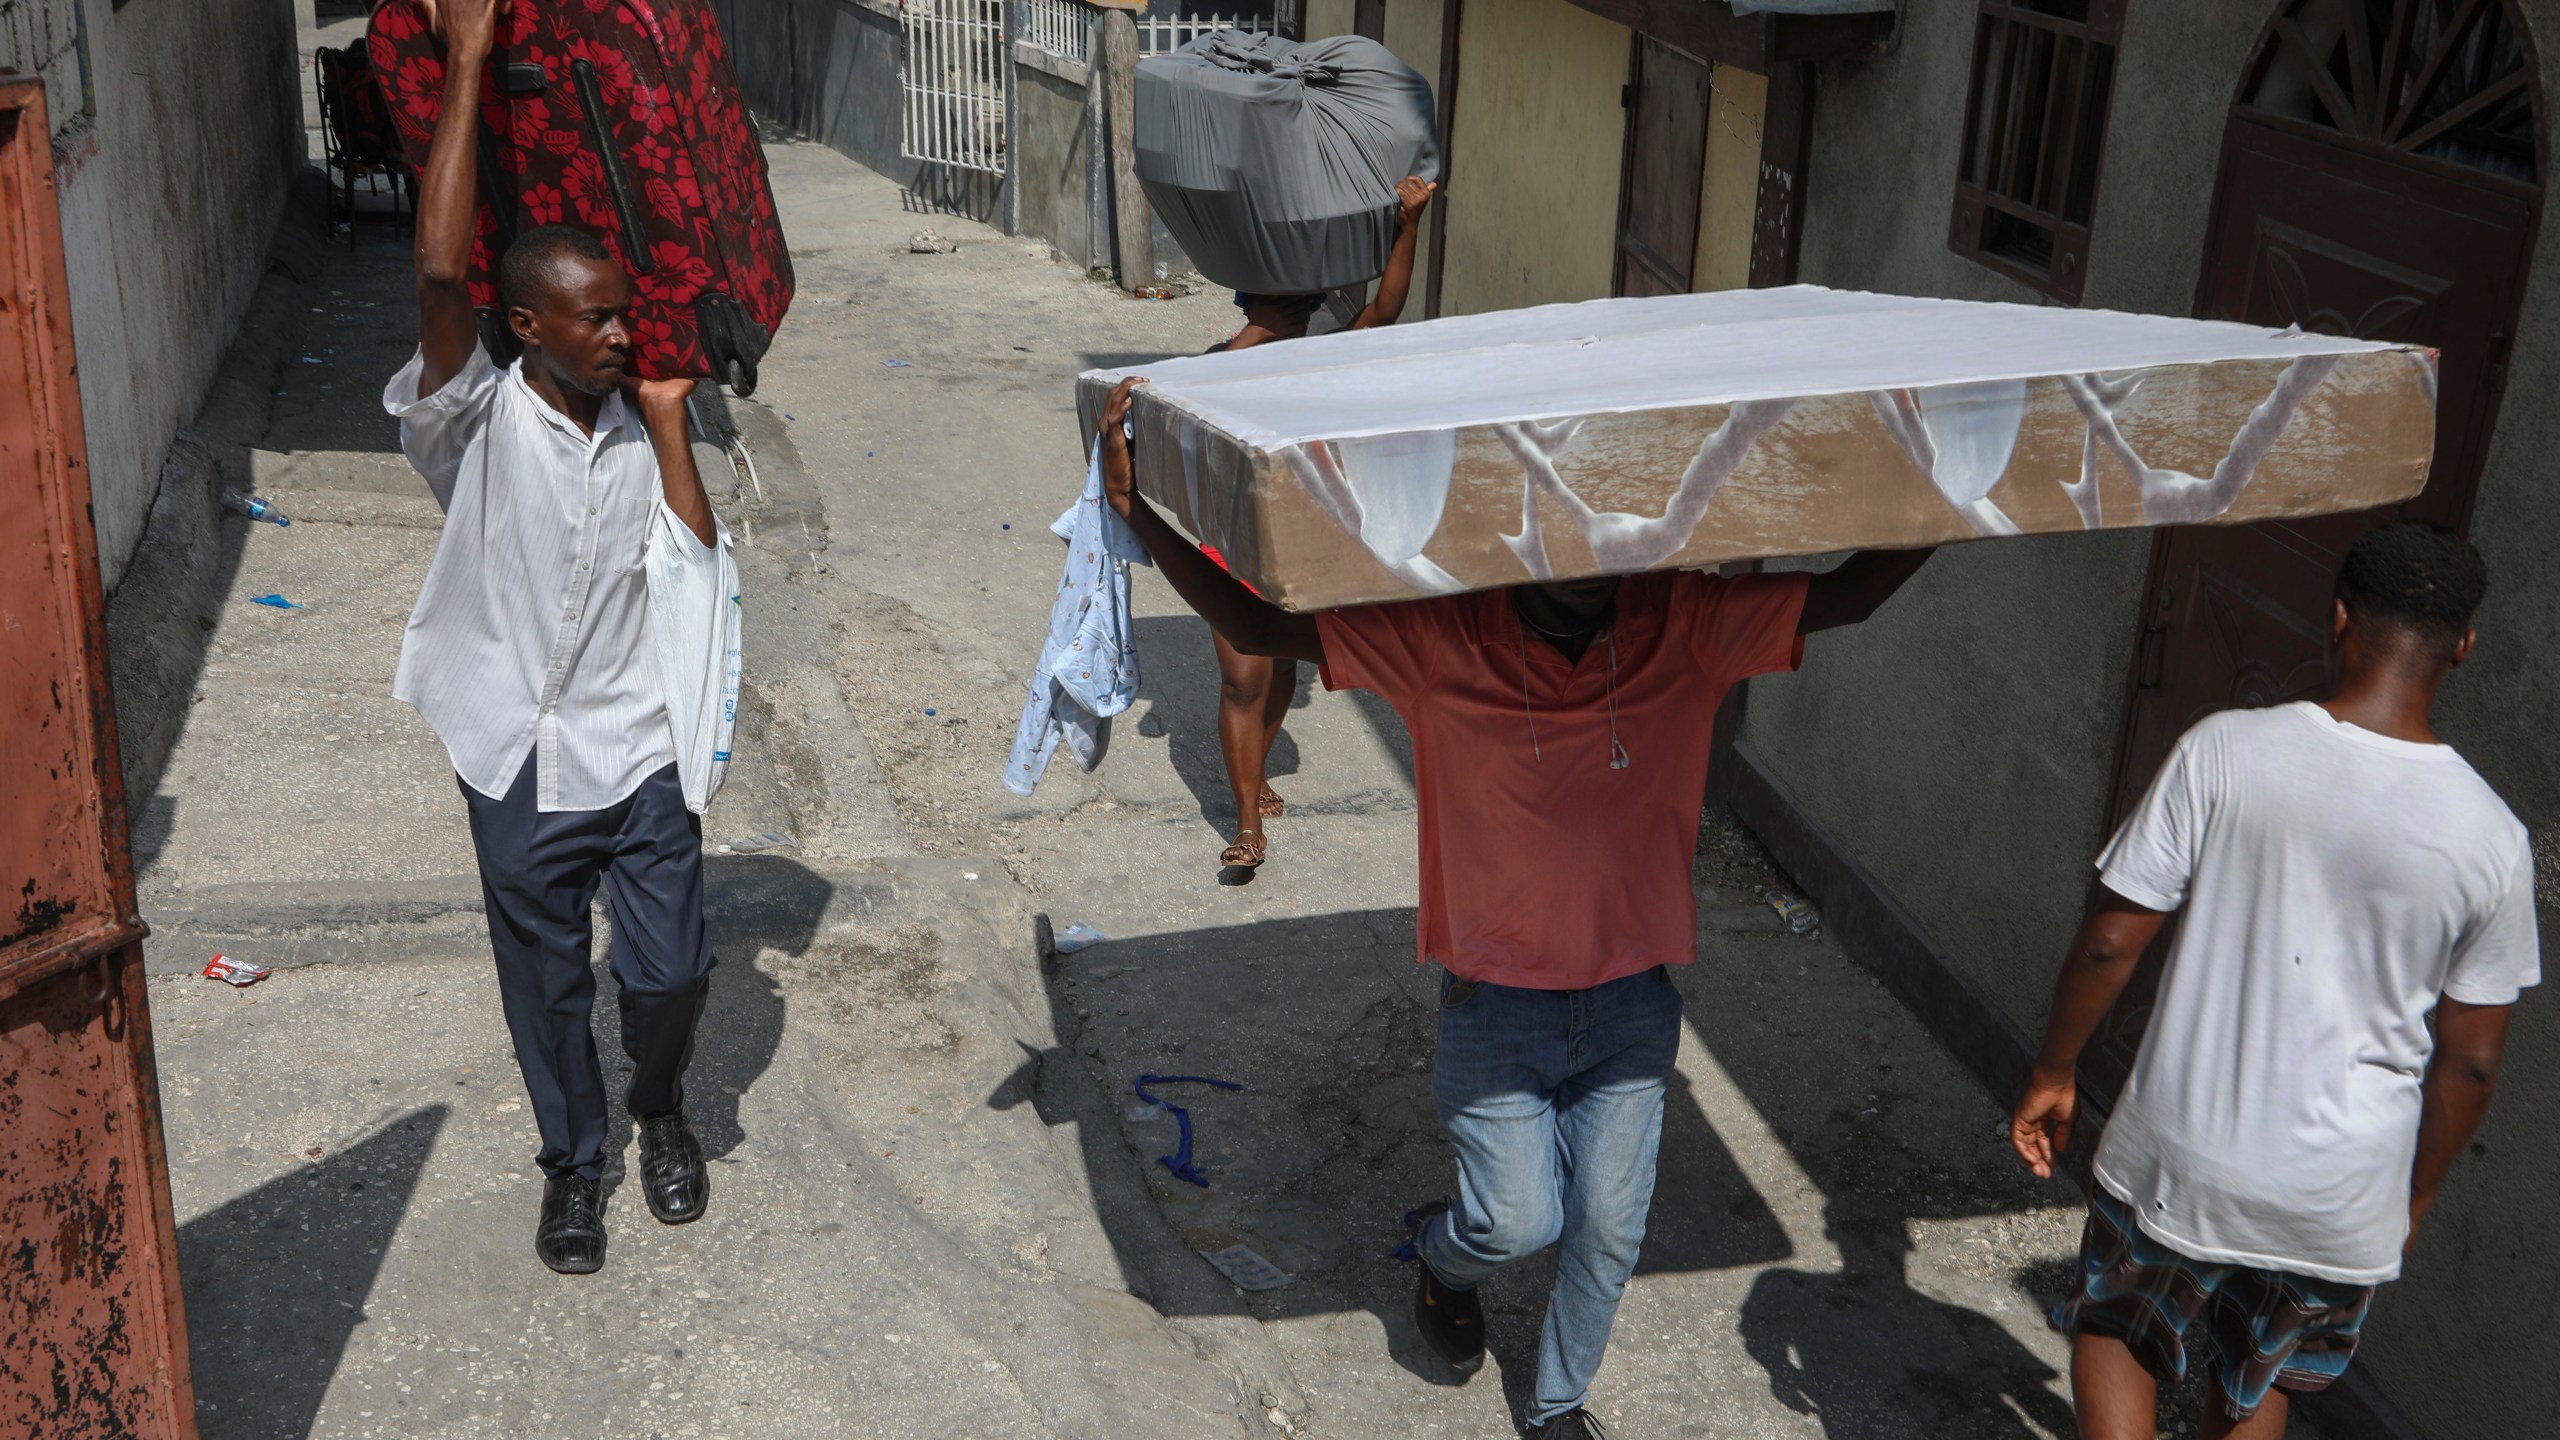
x,y
1801,917
255,507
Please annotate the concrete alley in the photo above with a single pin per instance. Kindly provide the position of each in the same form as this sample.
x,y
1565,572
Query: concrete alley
x,y
936,1209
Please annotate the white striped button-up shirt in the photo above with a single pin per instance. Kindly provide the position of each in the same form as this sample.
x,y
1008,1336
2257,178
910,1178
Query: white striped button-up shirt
x,y
531,633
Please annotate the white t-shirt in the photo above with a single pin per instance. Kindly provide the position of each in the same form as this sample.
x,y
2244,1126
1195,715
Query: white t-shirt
x,y
2335,882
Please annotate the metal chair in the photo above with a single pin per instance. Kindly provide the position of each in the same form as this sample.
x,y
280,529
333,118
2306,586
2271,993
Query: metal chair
x,y
359,142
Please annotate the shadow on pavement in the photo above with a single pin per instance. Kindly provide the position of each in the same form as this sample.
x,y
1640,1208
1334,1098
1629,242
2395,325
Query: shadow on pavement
x,y
1326,1022
1180,686
303,376
752,903
276,1280
1861,1348
1329,1026
1871,1356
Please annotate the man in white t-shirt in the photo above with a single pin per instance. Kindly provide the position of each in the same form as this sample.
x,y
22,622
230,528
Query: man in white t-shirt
x,y
2289,1118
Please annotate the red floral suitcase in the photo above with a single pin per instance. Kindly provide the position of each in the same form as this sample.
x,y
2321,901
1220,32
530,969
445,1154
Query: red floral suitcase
x,y
622,117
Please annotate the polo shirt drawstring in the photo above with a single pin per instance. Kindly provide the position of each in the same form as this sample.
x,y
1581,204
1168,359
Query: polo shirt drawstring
x,y
1619,759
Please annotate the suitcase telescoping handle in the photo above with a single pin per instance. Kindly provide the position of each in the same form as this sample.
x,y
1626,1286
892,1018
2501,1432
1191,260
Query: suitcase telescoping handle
x,y
617,180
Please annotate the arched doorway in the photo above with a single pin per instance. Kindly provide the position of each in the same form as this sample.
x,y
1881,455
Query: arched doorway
x,y
2381,176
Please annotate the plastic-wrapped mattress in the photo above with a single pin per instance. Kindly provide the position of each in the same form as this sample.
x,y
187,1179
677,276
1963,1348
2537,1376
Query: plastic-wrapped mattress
x,y
1680,431
1274,163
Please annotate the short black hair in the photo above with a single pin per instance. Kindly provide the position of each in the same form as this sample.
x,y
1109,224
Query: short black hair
x,y
531,269
1247,299
2414,576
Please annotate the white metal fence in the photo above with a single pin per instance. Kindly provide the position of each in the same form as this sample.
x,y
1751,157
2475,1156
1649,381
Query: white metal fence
x,y
49,38
953,75
1064,28
1164,34
953,79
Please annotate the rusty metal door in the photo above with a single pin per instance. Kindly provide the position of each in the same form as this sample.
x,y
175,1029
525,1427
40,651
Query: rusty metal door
x,y
1668,101
93,1341
2381,178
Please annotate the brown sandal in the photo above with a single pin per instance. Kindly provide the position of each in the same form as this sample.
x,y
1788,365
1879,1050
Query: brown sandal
x,y
1248,852
1272,806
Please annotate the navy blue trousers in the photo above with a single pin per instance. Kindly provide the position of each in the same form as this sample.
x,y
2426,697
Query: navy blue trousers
x,y
538,875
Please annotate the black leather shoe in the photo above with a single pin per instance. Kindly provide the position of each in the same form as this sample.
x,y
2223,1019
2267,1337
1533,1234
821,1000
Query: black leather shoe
x,y
1574,1424
1451,1321
672,1175
570,1237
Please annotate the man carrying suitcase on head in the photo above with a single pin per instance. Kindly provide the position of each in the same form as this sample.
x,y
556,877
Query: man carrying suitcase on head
x,y
529,652
1560,739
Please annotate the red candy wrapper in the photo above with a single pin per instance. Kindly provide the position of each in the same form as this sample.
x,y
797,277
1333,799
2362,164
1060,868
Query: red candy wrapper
x,y
234,972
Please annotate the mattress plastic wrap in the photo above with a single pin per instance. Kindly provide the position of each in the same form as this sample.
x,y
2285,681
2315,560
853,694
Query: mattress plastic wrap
x,y
1681,431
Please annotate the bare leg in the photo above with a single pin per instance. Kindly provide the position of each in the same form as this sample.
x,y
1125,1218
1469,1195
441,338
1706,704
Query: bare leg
x,y
1244,729
1275,708
2117,1398
2267,1424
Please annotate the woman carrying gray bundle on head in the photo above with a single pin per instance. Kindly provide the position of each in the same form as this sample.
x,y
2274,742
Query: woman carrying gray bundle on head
x,y
1254,690
1274,165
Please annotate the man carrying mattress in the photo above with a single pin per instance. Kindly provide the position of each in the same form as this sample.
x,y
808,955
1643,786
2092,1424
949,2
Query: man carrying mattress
x,y
1560,741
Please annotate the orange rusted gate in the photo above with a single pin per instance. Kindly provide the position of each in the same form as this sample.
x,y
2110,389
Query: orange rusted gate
x,y
92,1340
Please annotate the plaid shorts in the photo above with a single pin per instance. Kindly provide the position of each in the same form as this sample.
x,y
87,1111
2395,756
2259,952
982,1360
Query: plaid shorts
x,y
2261,1328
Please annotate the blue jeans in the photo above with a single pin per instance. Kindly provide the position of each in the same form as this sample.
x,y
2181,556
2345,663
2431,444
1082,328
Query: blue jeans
x,y
1554,1100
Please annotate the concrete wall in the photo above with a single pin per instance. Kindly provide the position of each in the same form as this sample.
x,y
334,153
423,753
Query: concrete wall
x,y
826,68
1333,17
1533,202
1056,180
2008,727
1413,33
2463,1343
1959,745
170,194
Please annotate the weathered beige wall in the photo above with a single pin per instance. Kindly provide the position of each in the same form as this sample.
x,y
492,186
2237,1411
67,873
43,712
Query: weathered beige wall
x,y
1729,191
1413,33
1533,207
1413,36
1328,17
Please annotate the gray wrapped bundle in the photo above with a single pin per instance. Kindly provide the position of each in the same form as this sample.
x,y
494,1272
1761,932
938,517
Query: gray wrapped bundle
x,y
1274,163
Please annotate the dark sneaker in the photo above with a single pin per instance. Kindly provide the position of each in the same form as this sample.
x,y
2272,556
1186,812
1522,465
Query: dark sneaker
x,y
1451,1321
570,1235
673,1178
1574,1424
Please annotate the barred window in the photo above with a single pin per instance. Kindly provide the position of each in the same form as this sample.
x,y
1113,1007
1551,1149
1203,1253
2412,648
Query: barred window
x,y
2035,127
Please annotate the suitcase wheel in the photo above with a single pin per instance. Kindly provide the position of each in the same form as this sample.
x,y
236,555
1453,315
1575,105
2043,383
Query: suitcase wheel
x,y
731,340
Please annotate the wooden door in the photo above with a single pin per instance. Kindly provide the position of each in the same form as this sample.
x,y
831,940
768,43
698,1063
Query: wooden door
x,y
96,1340
1668,100
2380,177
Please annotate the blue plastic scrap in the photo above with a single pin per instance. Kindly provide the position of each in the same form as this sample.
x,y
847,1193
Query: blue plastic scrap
x,y
1179,1162
278,602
